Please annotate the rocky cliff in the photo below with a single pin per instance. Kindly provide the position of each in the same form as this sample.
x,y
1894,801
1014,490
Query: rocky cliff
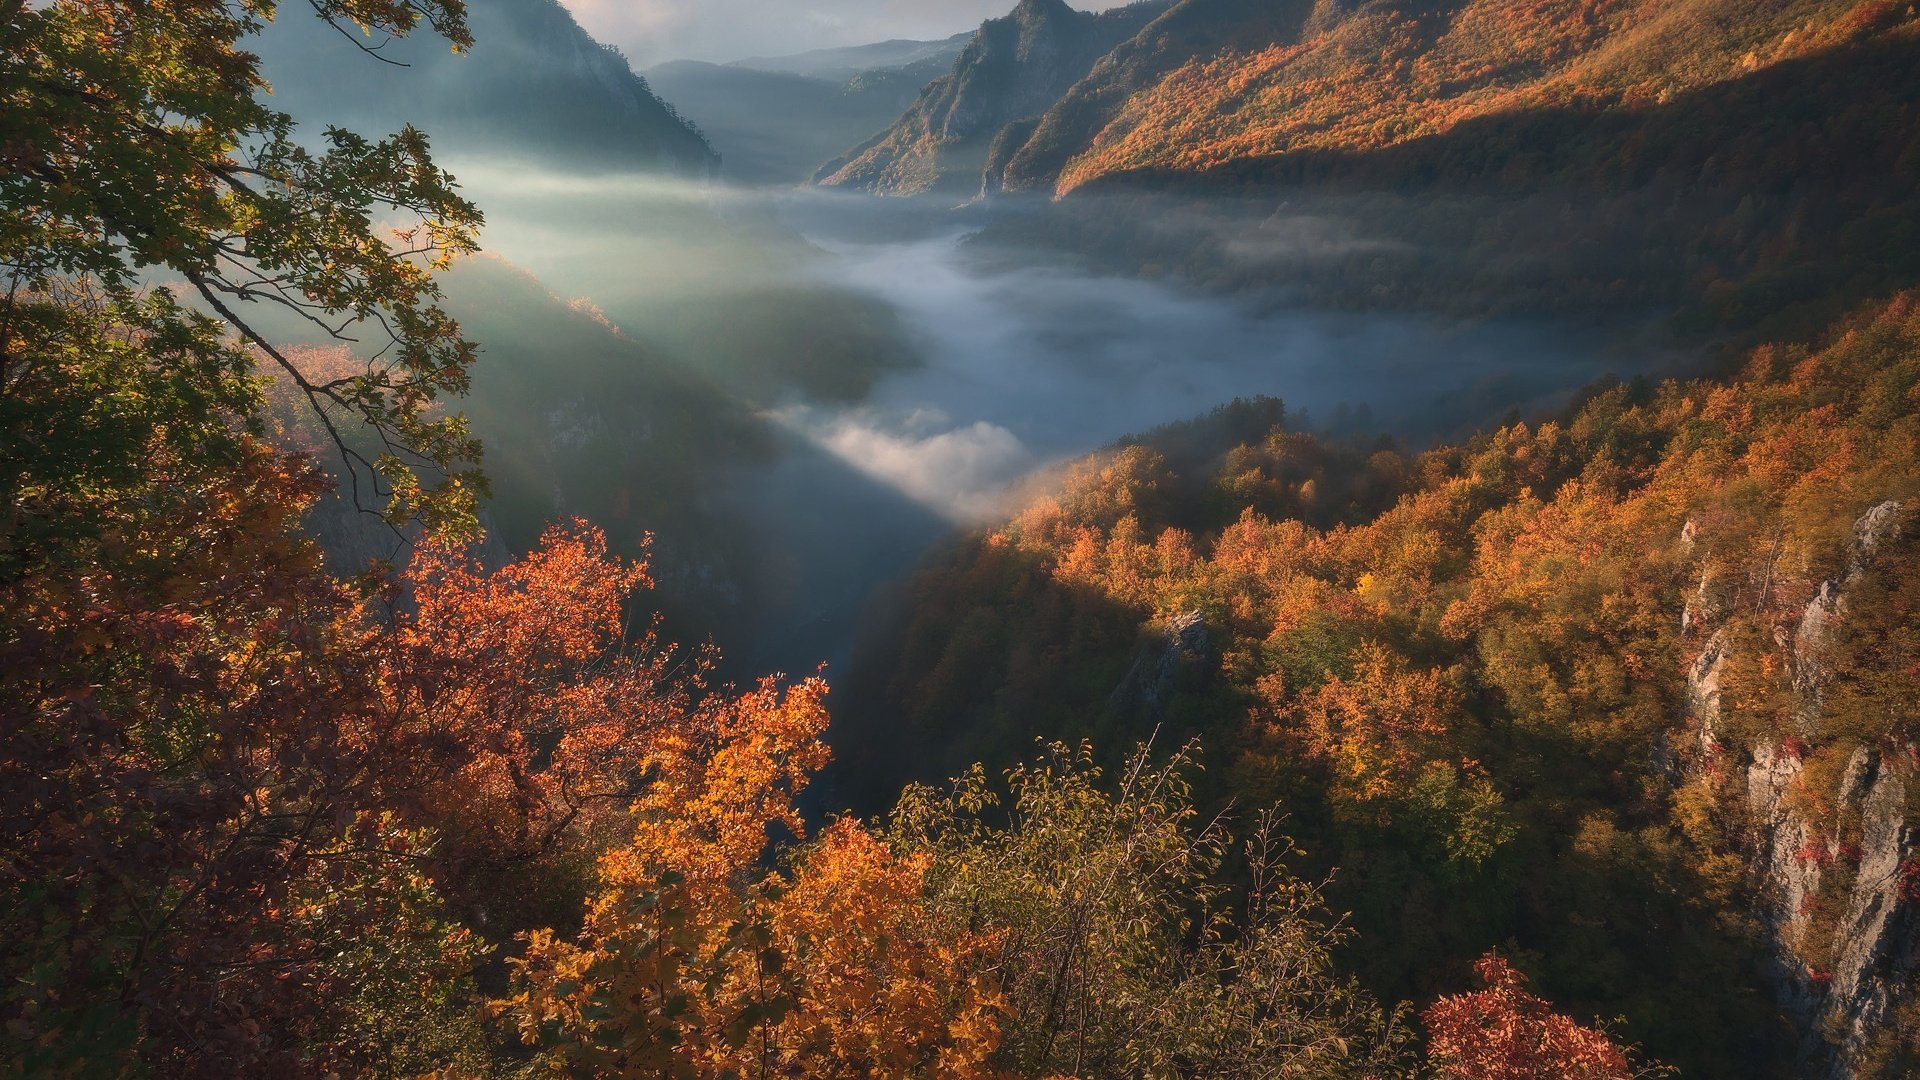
x,y
1015,68
1832,858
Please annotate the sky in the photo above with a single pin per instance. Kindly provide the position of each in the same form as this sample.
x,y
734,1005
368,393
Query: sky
x,y
650,31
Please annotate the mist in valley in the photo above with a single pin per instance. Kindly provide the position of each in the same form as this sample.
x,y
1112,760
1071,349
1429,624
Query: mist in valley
x,y
797,394
890,380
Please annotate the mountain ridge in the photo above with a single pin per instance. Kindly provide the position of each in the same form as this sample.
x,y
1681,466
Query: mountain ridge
x,y
1192,86
1013,68
536,85
847,61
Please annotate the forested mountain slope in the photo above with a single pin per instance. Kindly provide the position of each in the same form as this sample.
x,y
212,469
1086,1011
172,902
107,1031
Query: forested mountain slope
x,y
1363,76
1750,166
1187,87
1759,206
535,88
1632,691
1185,30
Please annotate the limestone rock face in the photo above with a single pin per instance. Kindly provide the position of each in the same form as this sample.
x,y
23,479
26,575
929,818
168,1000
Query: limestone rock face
x,y
1874,955
1879,525
1877,950
1015,69
1779,838
1703,686
1176,652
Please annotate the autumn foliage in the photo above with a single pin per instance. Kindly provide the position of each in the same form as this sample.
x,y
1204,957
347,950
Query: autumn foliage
x,y
1456,666
1505,1033
464,817
1393,73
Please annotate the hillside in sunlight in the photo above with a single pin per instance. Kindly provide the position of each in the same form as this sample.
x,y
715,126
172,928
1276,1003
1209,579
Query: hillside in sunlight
x,y
1749,167
1190,86
1357,77
1632,691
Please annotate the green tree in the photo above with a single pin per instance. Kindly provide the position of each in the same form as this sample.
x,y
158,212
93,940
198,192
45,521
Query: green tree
x,y
1121,948
136,148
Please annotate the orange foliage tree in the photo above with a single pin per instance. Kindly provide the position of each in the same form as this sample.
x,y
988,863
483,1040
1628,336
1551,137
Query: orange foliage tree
x,y
693,962
1505,1033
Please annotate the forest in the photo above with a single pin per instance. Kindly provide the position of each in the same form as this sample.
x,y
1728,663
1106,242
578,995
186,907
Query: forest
x,y
1580,748
1469,673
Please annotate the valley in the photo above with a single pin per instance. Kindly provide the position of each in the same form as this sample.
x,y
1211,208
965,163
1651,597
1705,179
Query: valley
x,y
903,382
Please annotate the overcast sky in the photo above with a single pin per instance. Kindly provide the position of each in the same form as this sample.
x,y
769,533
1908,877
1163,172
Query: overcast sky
x,y
650,31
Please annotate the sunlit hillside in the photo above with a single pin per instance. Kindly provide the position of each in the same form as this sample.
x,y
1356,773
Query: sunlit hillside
x,y
1550,687
1378,74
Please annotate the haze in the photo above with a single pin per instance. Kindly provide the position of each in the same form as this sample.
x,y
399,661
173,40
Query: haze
x,y
720,30
984,370
800,393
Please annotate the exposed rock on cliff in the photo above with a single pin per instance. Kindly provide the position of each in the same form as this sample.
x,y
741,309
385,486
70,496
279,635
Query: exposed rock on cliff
x,y
1015,68
1831,859
1172,654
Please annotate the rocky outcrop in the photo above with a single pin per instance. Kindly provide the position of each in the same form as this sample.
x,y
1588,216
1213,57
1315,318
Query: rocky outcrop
x,y
1703,687
1173,654
1876,958
1854,864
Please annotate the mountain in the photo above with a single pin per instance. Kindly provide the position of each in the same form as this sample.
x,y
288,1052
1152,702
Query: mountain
x,y
847,62
1214,82
1190,86
1256,91
1172,41
581,419
535,88
774,126
634,329
1014,68
1745,170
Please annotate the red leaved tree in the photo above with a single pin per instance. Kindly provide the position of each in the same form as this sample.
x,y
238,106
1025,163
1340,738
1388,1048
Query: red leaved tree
x,y
1505,1033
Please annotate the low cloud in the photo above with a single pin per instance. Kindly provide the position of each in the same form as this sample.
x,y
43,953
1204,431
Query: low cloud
x,y
961,472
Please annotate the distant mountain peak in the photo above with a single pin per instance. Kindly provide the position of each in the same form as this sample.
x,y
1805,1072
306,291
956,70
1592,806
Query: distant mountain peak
x,y
1042,8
